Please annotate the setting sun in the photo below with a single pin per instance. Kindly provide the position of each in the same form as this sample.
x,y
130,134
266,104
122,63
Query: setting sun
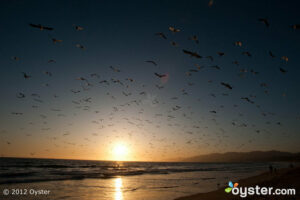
x,y
120,152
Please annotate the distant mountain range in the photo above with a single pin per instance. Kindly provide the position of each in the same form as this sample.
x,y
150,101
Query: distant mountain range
x,y
253,156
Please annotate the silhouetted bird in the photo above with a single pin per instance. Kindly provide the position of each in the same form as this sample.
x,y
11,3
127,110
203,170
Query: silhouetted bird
x,y
39,26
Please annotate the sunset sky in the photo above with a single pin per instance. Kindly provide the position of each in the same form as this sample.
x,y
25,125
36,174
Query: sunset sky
x,y
138,119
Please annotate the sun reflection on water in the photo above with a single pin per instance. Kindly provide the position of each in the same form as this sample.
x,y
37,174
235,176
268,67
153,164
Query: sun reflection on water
x,y
118,189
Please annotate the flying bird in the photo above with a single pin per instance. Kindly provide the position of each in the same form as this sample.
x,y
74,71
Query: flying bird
x,y
296,26
16,113
265,21
192,54
246,53
51,61
81,79
162,35
194,38
15,58
129,79
282,70
48,73
247,99
285,58
174,44
20,95
210,57
95,75
114,69
152,62
174,30
238,43
216,67
26,76
80,46
78,28
271,54
226,85
39,26
193,70
56,40
160,75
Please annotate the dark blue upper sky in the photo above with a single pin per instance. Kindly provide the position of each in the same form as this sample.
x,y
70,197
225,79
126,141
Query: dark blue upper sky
x,y
122,34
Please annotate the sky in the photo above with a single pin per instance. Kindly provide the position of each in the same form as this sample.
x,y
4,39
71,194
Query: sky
x,y
121,105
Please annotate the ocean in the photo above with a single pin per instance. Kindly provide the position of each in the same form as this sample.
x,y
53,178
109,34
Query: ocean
x,y
107,180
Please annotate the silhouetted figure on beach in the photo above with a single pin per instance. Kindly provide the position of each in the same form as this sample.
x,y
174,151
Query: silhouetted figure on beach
x,y
271,169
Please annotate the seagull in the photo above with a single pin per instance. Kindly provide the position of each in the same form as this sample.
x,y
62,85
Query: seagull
x,y
75,91
282,70
81,79
271,54
265,21
159,87
80,46
160,75
15,58
235,62
247,99
25,75
162,35
20,95
296,26
51,61
48,73
192,54
114,69
152,62
199,67
174,44
104,81
216,67
39,26
95,75
285,58
193,70
56,40
246,53
226,85
194,38
78,28
129,79
17,113
210,57
221,53
254,72
174,30
238,43
126,94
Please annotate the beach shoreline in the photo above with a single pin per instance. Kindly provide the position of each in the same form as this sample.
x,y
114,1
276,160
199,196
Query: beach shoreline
x,y
282,178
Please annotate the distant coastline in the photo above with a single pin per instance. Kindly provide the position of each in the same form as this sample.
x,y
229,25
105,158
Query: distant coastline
x,y
253,156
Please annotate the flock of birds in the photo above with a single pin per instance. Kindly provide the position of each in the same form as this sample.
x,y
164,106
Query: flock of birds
x,y
194,131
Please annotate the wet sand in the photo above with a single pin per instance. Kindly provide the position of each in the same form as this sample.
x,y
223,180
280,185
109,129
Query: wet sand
x,y
283,178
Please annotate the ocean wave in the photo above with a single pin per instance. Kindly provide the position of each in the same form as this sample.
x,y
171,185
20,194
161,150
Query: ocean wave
x,y
41,170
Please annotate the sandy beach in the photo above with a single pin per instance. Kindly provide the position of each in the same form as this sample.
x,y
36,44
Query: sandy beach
x,y
283,178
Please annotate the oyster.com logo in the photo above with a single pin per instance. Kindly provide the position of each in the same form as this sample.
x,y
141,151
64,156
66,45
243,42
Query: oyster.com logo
x,y
230,184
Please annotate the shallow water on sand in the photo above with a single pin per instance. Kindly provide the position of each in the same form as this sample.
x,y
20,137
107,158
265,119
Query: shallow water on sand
x,y
66,179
